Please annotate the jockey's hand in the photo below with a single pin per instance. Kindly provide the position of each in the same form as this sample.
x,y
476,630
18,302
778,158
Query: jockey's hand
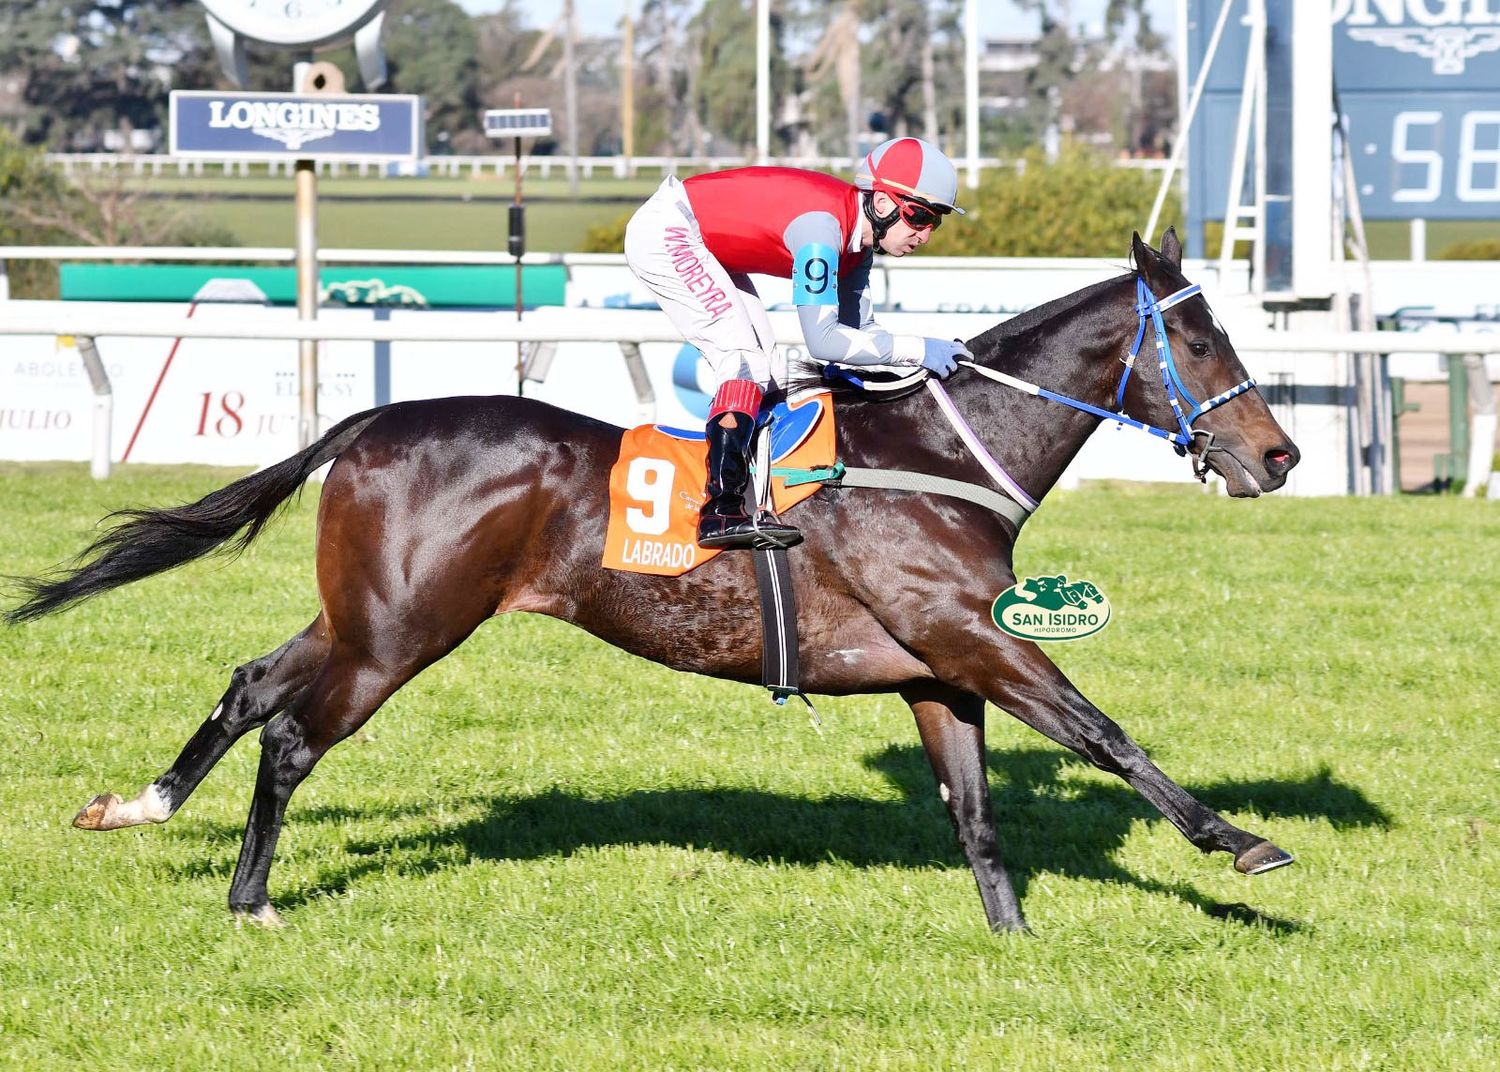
x,y
941,356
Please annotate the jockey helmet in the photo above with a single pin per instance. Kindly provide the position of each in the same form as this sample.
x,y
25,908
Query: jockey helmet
x,y
905,168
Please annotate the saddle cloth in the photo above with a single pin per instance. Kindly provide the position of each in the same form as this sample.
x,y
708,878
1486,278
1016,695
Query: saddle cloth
x,y
656,486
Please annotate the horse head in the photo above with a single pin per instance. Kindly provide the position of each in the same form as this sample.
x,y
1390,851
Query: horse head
x,y
1239,439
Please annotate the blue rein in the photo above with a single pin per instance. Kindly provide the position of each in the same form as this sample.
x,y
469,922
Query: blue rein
x,y
1149,309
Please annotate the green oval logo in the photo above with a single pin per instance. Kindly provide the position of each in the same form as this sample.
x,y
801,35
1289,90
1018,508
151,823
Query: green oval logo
x,y
1051,608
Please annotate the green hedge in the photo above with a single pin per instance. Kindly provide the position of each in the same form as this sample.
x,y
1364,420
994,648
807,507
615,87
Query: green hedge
x,y
1081,205
607,237
32,192
1483,249
25,178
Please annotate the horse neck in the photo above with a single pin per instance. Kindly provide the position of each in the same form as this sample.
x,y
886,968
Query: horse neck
x,y
1075,353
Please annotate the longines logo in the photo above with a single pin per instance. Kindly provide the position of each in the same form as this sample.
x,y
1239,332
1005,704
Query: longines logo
x,y
1448,32
293,123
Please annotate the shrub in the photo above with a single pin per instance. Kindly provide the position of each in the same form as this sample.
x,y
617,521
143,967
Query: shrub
x,y
606,237
25,177
1482,249
1081,205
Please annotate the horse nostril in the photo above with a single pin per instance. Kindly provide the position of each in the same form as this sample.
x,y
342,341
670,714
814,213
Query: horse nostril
x,y
1279,462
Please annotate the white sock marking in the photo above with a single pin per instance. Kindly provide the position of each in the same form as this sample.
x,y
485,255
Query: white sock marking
x,y
151,806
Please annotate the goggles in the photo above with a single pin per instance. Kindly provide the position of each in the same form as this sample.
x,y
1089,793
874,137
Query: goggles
x,y
919,215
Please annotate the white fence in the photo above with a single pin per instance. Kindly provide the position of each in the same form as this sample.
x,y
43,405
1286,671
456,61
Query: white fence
x,y
228,354
496,164
230,397
606,325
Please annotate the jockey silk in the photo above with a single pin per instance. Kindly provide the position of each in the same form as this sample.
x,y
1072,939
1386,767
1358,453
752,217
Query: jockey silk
x,y
747,215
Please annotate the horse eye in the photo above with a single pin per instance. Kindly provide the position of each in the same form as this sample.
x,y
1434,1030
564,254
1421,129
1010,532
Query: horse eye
x,y
1199,347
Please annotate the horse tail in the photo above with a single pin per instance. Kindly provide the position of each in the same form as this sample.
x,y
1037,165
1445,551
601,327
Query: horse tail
x,y
146,542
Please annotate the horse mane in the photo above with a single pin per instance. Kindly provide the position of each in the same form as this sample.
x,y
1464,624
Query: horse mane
x,y
1021,323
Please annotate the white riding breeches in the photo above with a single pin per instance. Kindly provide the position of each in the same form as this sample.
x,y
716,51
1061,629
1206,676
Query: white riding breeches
x,y
716,311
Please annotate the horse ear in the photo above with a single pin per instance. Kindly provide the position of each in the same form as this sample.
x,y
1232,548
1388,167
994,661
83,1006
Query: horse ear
x,y
1139,251
1171,248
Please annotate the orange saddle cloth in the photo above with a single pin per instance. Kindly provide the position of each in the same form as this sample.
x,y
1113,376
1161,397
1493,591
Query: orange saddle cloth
x,y
656,486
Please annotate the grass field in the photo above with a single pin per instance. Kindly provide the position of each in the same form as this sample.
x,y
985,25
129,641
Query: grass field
x,y
546,854
551,227
431,213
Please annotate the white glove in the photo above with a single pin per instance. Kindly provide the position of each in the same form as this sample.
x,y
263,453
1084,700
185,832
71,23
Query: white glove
x,y
941,355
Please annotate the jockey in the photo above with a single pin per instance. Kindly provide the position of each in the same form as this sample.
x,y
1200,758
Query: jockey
x,y
696,243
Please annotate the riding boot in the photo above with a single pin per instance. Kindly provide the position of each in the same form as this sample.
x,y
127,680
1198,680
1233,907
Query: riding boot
x,y
723,522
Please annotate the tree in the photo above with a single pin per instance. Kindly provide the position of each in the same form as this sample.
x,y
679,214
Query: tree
x,y
725,97
838,53
1073,80
514,60
668,102
41,207
92,66
901,60
431,49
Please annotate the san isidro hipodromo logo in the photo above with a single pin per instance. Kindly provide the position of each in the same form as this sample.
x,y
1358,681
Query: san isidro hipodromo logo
x,y
1051,608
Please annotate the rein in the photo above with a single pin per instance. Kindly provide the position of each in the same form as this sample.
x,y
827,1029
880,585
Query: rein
x,y
1149,310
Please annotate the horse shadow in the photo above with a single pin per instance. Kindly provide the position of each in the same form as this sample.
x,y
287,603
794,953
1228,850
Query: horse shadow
x,y
1047,824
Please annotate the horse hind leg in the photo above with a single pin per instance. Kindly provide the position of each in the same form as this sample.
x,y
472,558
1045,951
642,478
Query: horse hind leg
x,y
348,689
257,691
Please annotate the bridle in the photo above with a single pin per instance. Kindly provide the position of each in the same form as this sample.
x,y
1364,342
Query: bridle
x,y
1147,305
1148,309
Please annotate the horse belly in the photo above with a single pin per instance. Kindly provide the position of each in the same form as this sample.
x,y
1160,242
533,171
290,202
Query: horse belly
x,y
714,627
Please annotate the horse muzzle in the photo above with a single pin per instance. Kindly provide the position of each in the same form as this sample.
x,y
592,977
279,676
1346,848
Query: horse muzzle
x,y
1246,475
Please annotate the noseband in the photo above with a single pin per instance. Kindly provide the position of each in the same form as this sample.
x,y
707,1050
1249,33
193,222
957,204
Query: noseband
x,y
1148,309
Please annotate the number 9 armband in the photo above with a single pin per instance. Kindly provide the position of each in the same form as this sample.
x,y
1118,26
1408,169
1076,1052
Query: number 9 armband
x,y
814,275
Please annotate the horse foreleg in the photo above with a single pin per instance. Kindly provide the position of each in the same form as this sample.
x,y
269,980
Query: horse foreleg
x,y
951,724
1035,691
257,690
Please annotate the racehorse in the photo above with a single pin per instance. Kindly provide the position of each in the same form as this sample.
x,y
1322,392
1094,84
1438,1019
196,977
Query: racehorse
x,y
437,514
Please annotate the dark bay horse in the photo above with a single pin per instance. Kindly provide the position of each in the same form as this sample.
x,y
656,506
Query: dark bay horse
x,y
438,514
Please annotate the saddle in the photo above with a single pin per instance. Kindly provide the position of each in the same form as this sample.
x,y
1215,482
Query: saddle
x,y
656,484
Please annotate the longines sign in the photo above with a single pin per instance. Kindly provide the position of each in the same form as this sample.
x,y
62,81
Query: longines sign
x,y
1442,37
274,126
1419,82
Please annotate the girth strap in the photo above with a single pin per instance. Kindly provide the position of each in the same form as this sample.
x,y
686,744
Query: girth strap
x,y
779,671
838,475
905,480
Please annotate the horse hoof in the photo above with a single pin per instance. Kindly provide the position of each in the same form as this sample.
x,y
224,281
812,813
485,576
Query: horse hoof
x,y
1260,858
95,814
264,916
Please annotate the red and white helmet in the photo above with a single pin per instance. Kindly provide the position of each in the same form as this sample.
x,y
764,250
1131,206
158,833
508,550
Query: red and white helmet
x,y
910,167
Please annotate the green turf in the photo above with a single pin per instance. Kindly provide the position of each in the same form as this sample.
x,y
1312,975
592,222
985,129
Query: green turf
x,y
546,854
486,185
551,226
464,213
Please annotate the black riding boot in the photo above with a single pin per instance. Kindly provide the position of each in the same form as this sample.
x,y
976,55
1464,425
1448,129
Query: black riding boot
x,y
723,522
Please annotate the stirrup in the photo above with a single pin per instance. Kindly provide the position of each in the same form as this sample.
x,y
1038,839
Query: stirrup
x,y
774,533
760,533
